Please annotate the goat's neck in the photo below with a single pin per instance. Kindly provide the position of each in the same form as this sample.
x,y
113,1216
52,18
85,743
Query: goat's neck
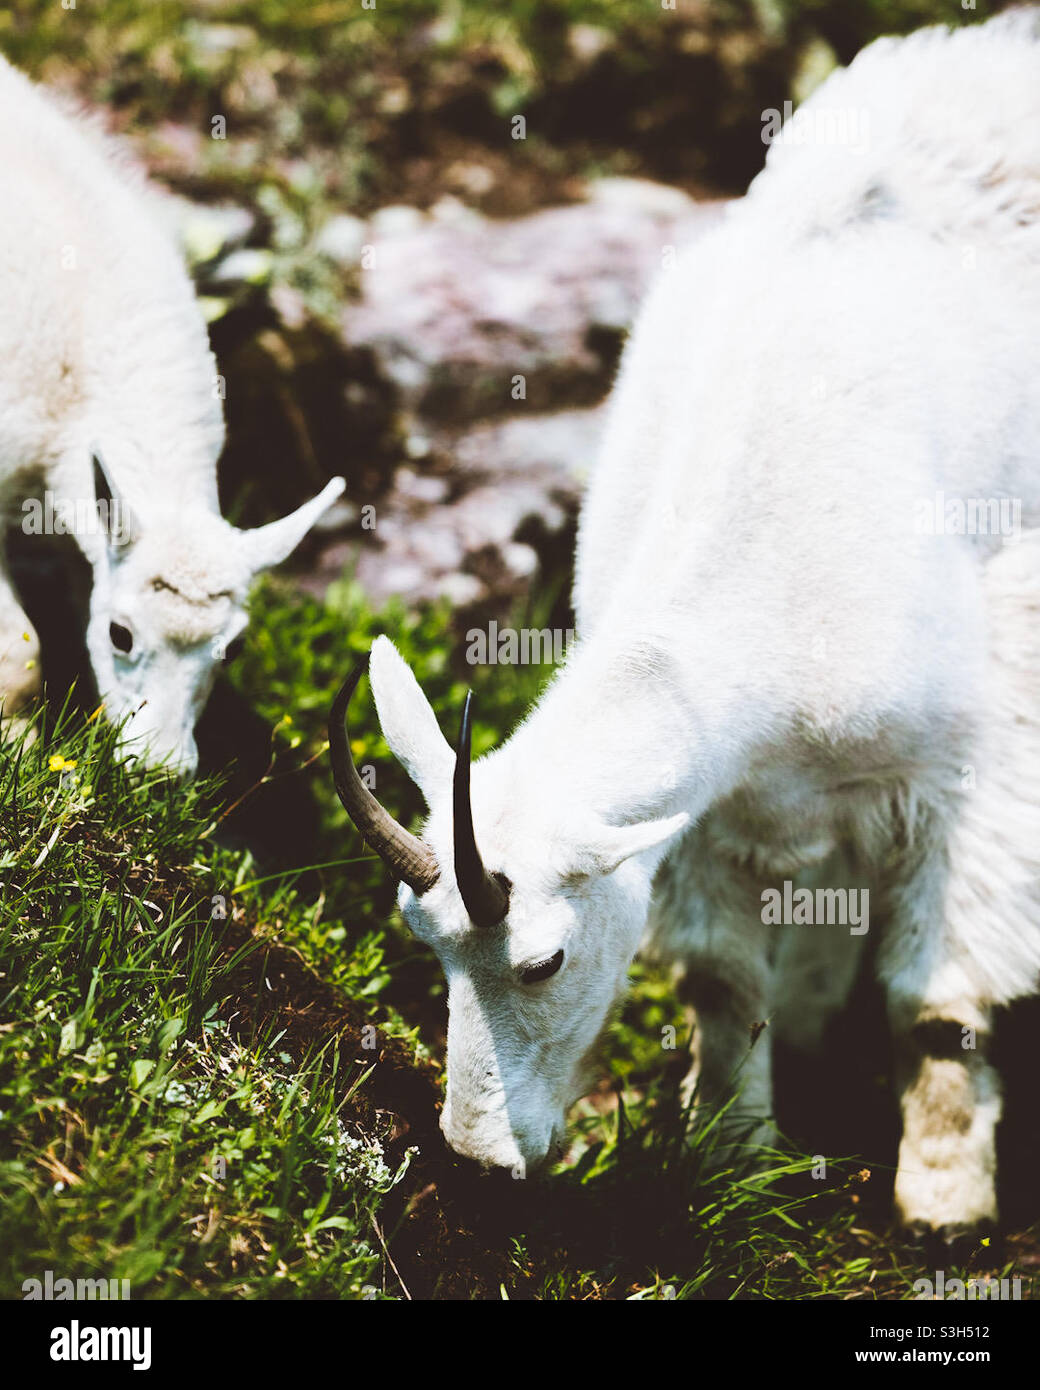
x,y
628,732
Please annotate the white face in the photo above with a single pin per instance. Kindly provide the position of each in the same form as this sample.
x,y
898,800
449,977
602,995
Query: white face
x,y
166,608
527,1001
527,998
155,654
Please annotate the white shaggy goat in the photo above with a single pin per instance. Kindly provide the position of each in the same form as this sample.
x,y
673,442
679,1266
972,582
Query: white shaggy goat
x,y
103,354
785,672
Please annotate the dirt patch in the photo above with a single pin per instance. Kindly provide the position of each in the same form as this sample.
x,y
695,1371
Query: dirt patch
x,y
428,1223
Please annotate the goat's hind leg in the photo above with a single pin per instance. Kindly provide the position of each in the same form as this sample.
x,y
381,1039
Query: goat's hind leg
x,y
950,1100
940,1019
964,936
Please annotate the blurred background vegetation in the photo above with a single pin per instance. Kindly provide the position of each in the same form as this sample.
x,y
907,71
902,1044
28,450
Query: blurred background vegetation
x,y
293,112
379,101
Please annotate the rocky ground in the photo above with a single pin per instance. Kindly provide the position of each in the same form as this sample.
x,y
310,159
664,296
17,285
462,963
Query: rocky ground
x,y
475,352
500,339
420,244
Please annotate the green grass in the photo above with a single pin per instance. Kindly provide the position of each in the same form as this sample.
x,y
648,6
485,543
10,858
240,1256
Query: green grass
x,y
145,1132
144,1135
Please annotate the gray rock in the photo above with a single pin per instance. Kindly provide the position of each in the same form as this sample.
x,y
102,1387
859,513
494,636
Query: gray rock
x,y
465,316
515,486
419,488
557,449
395,220
341,241
461,590
501,339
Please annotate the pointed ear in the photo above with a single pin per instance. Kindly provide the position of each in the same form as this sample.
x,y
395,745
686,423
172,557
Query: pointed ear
x,y
408,722
611,845
118,524
271,544
103,489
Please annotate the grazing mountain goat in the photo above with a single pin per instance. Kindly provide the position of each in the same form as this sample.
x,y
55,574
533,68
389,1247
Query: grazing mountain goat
x,y
792,668
104,357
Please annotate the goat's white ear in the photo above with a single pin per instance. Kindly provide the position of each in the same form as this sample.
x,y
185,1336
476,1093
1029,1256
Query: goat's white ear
x,y
408,722
611,845
118,524
271,544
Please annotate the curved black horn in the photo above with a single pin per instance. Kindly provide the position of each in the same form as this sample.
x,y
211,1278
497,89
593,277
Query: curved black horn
x,y
485,895
405,855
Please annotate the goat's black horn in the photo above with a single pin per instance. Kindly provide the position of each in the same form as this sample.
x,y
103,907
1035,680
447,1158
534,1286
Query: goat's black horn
x,y
485,895
406,856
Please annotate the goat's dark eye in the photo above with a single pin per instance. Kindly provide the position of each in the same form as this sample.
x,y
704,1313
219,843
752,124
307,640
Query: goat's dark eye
x,y
234,648
534,974
122,638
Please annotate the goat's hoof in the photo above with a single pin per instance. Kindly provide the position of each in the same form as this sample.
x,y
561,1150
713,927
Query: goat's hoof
x,y
956,1244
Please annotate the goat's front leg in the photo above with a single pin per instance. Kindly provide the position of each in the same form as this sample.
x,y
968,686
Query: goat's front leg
x,y
730,1052
708,919
19,652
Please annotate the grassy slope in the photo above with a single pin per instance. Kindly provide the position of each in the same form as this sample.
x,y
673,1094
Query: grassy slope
x,y
146,1133
189,1100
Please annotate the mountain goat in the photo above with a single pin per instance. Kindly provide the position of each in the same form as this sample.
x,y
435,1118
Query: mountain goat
x,y
801,659
109,394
